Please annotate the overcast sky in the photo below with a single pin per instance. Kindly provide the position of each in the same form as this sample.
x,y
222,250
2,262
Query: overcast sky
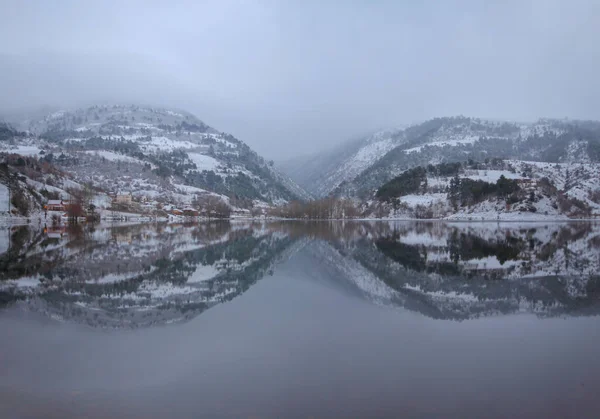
x,y
293,77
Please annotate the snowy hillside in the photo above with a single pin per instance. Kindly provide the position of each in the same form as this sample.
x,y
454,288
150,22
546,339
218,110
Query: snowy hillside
x,y
497,189
320,174
460,139
149,152
358,168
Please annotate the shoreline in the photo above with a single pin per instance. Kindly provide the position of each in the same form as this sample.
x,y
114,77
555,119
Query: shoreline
x,y
142,219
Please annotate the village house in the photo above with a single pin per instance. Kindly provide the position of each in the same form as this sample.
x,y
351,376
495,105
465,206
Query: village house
x,y
123,199
55,205
190,212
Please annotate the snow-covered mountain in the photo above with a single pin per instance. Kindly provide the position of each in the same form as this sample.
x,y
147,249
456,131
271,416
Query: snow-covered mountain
x,y
151,152
322,173
467,271
360,167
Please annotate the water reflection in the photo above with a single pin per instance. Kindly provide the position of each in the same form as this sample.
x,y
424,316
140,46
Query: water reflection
x,y
137,276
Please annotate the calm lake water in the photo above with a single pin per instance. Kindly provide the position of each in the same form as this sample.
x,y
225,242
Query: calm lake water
x,y
301,320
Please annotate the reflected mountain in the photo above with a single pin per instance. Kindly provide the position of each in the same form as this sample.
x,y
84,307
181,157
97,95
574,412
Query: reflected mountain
x,y
145,275
465,271
136,276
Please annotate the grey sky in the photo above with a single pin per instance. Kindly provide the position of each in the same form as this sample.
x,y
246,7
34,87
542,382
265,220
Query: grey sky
x,y
293,77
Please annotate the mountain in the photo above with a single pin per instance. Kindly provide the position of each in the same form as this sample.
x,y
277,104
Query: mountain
x,y
151,152
365,165
322,173
493,189
7,132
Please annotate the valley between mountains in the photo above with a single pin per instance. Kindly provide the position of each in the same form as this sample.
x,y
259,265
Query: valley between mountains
x,y
135,162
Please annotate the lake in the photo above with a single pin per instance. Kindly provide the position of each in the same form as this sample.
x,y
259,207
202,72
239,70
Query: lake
x,y
293,319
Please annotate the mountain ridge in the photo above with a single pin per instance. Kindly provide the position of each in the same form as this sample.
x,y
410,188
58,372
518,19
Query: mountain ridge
x,y
450,139
152,151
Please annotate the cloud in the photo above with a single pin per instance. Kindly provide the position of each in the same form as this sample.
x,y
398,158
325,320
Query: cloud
x,y
293,77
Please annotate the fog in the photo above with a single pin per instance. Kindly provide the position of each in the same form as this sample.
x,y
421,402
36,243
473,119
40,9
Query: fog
x,y
294,77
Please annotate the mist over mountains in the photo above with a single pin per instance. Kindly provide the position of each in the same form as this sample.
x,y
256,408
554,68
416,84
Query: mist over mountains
x,y
171,156
360,167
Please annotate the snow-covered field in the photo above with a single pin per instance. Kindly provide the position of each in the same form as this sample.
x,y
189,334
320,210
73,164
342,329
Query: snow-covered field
x,y
203,273
166,144
203,162
496,210
491,176
25,150
112,156
425,199
450,142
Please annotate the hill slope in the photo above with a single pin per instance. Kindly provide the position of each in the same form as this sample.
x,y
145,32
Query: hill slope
x,y
320,174
496,189
361,167
152,152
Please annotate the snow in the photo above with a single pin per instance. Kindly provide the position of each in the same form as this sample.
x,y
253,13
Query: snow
x,y
125,137
166,144
425,239
203,273
41,186
489,262
504,216
186,189
452,295
57,114
25,282
203,162
26,150
164,289
373,149
355,273
425,199
70,184
171,113
576,180
112,156
491,176
223,141
102,201
452,142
